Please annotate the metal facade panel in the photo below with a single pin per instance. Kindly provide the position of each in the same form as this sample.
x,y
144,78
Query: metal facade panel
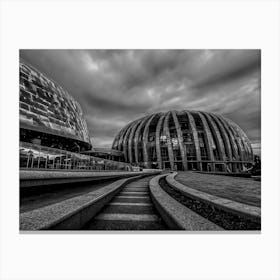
x,y
209,139
136,138
130,140
145,141
169,145
224,136
218,138
195,135
180,140
158,128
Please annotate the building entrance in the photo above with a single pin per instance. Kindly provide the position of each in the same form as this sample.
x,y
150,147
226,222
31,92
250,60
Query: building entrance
x,y
192,166
178,166
166,165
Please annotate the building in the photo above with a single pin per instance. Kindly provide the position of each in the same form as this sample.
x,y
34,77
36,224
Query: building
x,y
49,116
185,140
105,153
53,131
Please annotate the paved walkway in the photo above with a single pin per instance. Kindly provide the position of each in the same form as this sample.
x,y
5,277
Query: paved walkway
x,y
243,190
131,209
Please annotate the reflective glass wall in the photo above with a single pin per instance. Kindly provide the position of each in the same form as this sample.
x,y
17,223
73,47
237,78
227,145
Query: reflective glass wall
x,y
34,156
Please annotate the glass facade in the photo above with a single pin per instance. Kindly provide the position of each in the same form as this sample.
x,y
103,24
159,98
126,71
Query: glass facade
x,y
34,156
48,108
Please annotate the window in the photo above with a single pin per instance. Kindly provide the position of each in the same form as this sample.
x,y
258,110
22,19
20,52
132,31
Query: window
x,y
164,153
190,152
163,139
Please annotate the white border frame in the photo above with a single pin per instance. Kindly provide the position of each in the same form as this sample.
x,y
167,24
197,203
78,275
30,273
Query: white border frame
x,y
156,24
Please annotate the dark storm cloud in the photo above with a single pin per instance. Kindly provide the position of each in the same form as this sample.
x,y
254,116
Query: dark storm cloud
x,y
230,66
115,87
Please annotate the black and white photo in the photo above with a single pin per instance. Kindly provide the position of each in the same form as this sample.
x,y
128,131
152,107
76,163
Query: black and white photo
x,y
140,140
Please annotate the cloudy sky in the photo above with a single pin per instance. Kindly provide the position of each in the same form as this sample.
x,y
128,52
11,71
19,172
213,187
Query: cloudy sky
x,y
115,87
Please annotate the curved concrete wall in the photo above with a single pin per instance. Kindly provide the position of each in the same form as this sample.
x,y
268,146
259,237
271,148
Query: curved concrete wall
x,y
185,140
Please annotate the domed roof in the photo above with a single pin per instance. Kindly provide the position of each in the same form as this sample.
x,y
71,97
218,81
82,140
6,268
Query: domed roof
x,y
185,140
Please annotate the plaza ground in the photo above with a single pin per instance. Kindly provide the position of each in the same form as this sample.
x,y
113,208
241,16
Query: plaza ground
x,y
244,190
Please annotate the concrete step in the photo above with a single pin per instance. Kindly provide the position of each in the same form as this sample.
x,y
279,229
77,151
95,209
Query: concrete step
x,y
131,204
131,208
125,225
127,217
132,196
131,200
133,193
136,189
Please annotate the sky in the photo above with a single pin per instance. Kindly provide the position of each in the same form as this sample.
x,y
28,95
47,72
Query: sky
x,y
115,87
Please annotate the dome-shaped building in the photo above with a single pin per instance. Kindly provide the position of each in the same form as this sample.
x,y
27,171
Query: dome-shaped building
x,y
49,116
185,140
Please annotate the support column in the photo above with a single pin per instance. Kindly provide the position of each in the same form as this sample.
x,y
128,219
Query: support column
x,y
145,142
169,145
159,125
195,139
180,140
209,140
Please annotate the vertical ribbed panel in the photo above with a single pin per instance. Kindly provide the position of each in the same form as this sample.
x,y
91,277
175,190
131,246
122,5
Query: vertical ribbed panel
x,y
220,145
252,153
125,142
195,137
136,138
238,144
224,136
117,139
244,140
123,131
158,128
209,138
180,140
145,141
231,139
130,140
169,145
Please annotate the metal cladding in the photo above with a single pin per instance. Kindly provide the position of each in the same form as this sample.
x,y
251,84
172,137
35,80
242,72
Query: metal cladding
x,y
185,140
45,106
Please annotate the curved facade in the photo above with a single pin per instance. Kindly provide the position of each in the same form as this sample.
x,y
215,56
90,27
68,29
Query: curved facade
x,y
185,140
49,114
